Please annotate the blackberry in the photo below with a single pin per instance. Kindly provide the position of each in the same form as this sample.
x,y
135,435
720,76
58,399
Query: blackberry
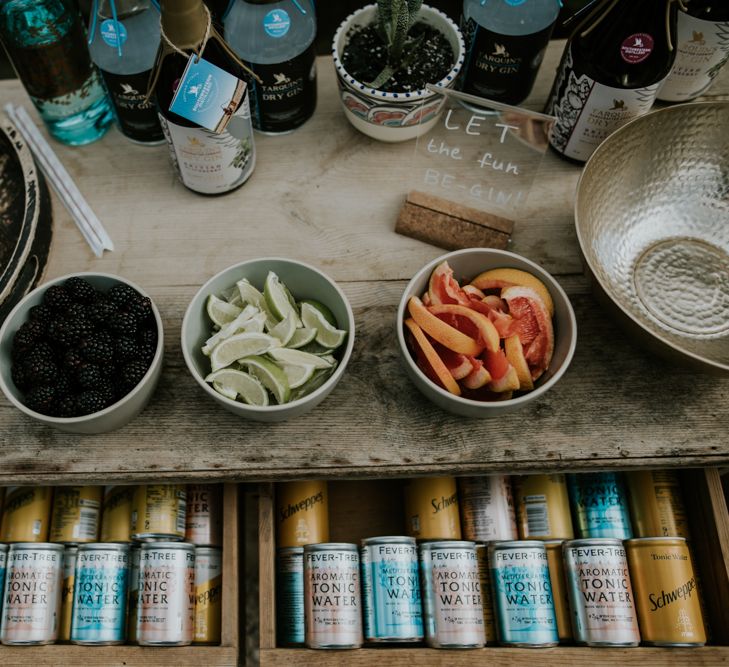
x,y
42,399
107,393
141,307
19,376
101,310
148,337
76,311
68,332
88,376
123,324
80,290
89,401
132,374
72,360
97,349
40,370
41,313
126,349
121,295
27,336
146,353
57,298
66,406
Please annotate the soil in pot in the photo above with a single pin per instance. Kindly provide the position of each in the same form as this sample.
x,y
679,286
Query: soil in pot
x,y
365,56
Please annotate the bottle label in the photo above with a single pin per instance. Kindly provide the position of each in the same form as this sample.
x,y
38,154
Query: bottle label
x,y
108,31
636,48
276,23
703,49
502,67
287,96
588,112
212,163
137,118
86,95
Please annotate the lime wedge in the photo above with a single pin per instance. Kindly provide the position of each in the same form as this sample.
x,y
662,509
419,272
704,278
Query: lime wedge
x,y
241,345
285,329
284,355
279,299
251,295
297,375
316,381
315,348
221,312
326,334
232,296
302,337
240,324
229,381
272,377
324,310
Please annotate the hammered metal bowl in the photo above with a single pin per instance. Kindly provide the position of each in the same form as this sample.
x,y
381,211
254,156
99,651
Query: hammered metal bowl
x,y
652,217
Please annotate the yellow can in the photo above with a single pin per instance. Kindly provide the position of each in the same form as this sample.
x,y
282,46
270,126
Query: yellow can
x,y
484,575
431,508
302,513
75,515
559,589
69,578
656,504
543,507
204,525
208,595
27,514
666,591
159,512
116,517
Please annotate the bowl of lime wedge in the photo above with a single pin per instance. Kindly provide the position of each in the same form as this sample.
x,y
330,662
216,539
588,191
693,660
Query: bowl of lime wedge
x,y
268,338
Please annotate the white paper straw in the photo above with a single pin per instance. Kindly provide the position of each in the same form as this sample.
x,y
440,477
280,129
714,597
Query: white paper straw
x,y
87,222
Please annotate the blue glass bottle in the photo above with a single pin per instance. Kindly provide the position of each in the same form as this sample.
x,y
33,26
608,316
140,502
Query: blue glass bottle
x,y
47,46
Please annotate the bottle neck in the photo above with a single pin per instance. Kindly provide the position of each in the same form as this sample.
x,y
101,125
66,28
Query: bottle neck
x,y
184,22
123,7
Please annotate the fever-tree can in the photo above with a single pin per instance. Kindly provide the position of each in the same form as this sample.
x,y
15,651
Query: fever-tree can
x,y
543,507
431,508
70,553
656,504
523,594
302,513
75,515
451,587
487,508
487,602
290,596
666,591
601,596
3,566
204,524
391,590
559,589
159,512
208,595
26,514
116,517
600,505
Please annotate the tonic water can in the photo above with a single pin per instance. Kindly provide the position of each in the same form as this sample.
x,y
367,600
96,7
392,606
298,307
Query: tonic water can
x,y
32,594
600,505
332,602
70,553
116,517
302,513
75,515
431,508
208,595
391,590
666,592
290,596
600,593
543,507
487,601
26,514
100,594
166,613
204,523
523,594
487,508
159,512
559,590
451,586
656,504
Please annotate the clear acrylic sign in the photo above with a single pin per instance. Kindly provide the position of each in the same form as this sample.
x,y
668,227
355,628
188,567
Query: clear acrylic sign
x,y
481,154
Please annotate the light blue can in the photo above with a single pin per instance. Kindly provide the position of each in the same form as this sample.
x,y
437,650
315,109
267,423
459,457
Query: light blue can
x,y
600,505
290,596
3,567
391,590
100,594
522,594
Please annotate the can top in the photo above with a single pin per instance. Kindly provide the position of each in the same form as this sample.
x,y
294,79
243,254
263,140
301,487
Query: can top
x,y
331,546
3,547
36,546
175,546
667,541
290,550
103,546
552,543
593,542
204,551
446,544
516,544
389,539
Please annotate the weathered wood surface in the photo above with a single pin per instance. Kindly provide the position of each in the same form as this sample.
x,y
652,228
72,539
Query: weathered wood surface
x,y
330,196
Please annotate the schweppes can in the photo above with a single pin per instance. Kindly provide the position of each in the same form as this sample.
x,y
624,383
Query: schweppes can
x,y
666,591
75,515
559,589
70,553
484,574
431,508
27,513
302,513
116,515
204,525
208,595
159,512
656,504
543,507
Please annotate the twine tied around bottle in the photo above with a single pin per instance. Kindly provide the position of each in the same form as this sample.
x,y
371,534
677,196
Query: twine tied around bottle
x,y
114,17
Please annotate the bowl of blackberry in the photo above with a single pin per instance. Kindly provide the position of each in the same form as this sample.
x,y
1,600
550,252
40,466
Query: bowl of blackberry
x,y
82,353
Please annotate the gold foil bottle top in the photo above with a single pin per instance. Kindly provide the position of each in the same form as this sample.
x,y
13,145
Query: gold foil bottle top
x,y
184,22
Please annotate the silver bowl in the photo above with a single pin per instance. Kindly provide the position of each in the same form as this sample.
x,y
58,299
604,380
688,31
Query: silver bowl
x,y
652,218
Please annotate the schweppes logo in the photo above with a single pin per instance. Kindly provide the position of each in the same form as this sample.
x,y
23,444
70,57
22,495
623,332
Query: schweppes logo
x,y
663,599
302,506
443,502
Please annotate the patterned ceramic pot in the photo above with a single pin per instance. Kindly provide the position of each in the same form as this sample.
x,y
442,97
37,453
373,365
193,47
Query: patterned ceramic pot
x,y
394,116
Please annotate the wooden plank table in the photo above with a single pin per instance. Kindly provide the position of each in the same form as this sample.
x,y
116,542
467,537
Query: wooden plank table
x,y
330,196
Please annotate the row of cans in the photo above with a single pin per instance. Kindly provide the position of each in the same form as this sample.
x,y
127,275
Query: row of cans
x,y
487,508
86,514
154,594
460,594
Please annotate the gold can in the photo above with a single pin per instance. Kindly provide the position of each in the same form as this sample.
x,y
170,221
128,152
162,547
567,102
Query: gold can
x,y
484,575
204,526
208,595
75,515
302,513
666,591
70,554
27,514
543,507
159,512
559,589
431,508
116,517
656,504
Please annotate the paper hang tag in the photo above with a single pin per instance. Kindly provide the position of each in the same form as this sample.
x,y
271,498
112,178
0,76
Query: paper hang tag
x,y
207,95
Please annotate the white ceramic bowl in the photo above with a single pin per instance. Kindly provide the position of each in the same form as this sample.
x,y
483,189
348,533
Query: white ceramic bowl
x,y
304,282
110,418
467,264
